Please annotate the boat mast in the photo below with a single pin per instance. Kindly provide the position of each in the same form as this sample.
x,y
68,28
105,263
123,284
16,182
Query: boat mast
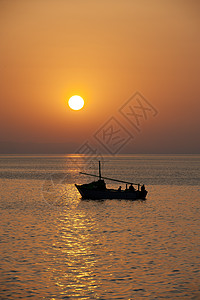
x,y
112,179
99,170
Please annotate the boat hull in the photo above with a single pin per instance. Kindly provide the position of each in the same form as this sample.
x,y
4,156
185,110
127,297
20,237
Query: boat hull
x,y
110,194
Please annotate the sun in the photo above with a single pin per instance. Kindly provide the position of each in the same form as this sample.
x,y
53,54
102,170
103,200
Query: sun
x,y
76,102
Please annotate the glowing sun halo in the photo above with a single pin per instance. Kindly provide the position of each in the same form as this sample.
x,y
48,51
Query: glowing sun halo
x,y
76,102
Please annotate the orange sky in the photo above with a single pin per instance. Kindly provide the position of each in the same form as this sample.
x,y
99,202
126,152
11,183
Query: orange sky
x,y
104,51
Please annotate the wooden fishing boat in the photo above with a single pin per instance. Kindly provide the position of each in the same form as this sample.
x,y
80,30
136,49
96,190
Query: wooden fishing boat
x,y
97,190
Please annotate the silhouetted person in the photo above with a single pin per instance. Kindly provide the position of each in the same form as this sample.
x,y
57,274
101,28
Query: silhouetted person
x,y
142,188
120,188
131,188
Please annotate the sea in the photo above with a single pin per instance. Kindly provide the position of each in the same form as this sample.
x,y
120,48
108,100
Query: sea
x,y
54,245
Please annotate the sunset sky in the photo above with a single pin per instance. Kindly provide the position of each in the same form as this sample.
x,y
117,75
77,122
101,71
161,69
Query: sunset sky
x,y
104,51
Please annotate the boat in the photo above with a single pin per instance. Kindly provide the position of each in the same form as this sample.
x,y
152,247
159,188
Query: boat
x,y
97,190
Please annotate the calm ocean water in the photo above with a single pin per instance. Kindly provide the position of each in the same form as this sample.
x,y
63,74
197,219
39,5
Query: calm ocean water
x,y
56,246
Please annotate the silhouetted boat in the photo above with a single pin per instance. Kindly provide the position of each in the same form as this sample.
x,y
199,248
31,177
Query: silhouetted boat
x,y
97,190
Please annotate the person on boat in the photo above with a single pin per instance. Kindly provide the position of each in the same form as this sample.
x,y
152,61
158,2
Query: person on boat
x,y
131,188
119,189
142,188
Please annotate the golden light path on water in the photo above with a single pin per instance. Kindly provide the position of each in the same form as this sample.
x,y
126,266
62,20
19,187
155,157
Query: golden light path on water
x,y
80,258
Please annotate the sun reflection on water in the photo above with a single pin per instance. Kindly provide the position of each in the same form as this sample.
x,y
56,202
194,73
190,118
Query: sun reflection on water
x,y
74,257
